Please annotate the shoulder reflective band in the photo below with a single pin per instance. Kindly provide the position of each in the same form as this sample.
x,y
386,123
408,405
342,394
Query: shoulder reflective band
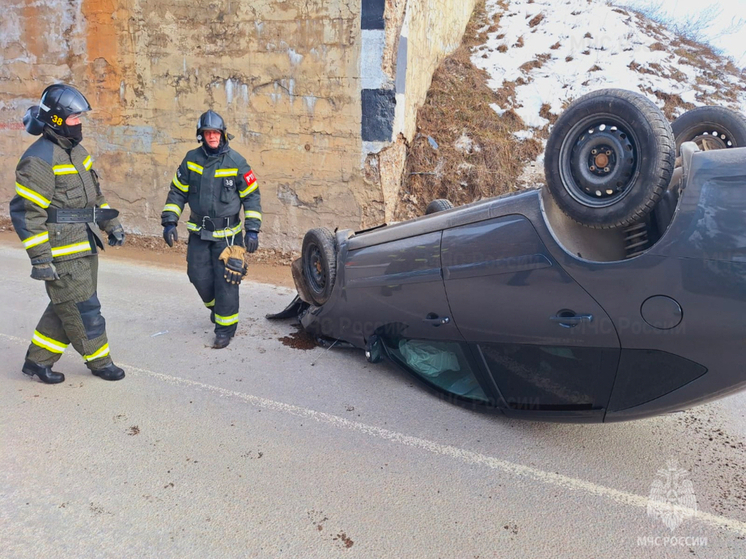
x,y
88,163
172,208
251,214
227,232
180,185
194,167
48,343
226,320
36,240
103,352
226,172
34,197
64,170
71,249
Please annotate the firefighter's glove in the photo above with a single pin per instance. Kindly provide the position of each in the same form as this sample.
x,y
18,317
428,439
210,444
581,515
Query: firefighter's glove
x,y
116,237
251,240
170,235
236,265
44,272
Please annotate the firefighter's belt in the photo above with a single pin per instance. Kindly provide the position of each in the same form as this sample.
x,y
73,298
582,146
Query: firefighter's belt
x,y
215,223
80,215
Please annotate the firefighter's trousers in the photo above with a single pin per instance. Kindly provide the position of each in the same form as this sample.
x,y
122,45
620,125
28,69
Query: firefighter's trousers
x,y
205,271
73,316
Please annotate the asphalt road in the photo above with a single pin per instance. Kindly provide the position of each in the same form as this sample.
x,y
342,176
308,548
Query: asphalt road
x,y
265,450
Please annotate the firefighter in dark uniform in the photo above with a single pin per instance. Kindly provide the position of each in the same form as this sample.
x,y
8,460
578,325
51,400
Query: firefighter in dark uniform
x,y
57,211
220,188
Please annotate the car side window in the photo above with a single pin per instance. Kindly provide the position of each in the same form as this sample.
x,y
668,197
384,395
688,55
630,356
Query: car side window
x,y
533,377
441,364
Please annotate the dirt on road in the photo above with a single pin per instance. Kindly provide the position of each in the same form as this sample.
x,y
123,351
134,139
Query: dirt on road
x,y
267,265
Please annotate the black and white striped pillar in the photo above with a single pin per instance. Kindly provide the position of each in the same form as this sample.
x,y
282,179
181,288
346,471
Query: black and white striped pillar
x,y
382,101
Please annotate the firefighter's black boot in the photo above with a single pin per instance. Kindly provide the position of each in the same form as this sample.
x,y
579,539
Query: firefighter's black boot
x,y
221,340
45,374
110,372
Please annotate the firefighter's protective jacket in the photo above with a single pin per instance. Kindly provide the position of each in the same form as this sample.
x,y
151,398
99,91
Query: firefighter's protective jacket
x,y
54,173
218,188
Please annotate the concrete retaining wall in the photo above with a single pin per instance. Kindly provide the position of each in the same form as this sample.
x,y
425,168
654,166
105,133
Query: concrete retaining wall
x,y
321,95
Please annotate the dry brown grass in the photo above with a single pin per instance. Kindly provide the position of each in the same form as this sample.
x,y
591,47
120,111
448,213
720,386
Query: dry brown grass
x,y
537,62
458,104
536,20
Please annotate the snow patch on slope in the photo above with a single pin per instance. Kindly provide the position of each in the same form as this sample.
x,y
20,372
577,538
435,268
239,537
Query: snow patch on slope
x,y
554,52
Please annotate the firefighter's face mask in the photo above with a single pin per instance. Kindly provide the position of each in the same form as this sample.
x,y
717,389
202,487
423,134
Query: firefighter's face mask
x,y
212,138
73,129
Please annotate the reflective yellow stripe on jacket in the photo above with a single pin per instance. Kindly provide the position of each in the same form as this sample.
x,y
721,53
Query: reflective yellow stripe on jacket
x,y
172,208
180,185
48,343
36,240
32,196
194,167
88,163
251,214
226,172
249,189
64,170
71,249
220,234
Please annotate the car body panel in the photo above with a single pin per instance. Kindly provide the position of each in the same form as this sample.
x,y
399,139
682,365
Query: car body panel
x,y
668,325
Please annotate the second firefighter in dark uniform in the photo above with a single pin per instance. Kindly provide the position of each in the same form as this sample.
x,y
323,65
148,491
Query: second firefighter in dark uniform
x,y
220,188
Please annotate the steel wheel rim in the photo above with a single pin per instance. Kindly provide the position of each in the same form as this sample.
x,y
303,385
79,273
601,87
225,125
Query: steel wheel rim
x,y
315,269
616,147
713,139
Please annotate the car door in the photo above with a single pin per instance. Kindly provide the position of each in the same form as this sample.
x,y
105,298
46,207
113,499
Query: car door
x,y
396,289
547,343
399,283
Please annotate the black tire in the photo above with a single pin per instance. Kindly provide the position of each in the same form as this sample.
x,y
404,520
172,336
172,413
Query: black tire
x,y
438,206
710,128
319,264
609,158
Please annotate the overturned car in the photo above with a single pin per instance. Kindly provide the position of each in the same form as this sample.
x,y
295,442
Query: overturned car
x,y
615,293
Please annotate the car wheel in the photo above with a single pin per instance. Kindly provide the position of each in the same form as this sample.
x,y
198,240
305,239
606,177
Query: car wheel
x,y
319,264
710,128
609,158
438,206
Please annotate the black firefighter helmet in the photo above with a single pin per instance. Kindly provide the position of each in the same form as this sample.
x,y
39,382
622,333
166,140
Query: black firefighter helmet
x,y
31,121
211,120
59,101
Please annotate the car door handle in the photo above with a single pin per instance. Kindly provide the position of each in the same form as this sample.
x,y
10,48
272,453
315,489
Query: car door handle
x,y
567,320
436,320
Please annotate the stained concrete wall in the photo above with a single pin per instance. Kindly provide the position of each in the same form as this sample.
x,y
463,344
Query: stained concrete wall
x,y
288,76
